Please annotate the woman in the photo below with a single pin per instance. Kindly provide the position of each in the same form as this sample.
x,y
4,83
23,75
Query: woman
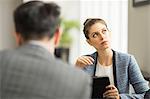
x,y
122,69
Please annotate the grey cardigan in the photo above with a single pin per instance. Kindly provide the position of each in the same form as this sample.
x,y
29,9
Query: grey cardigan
x,y
126,71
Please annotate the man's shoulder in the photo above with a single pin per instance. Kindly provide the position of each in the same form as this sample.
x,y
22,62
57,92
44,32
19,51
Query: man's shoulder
x,y
68,68
4,53
38,72
39,59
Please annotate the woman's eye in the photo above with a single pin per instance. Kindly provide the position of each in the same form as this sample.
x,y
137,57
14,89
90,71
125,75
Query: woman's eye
x,y
95,34
104,31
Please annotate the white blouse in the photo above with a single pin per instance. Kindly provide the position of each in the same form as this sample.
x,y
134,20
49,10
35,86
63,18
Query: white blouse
x,y
105,71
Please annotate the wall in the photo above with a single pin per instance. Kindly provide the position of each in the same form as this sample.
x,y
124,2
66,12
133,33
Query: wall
x,y
6,23
139,33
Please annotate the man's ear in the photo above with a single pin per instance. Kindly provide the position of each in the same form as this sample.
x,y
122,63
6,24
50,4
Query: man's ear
x,y
57,36
18,38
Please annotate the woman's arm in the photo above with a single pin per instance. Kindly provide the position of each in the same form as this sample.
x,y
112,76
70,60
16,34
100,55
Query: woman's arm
x,y
137,80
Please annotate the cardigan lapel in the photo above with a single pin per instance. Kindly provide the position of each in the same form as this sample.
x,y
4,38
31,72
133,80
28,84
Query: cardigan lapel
x,y
95,63
114,68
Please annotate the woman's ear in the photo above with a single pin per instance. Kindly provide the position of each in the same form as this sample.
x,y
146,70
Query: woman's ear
x,y
88,41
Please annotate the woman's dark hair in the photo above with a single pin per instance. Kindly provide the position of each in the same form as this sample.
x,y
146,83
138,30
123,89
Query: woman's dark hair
x,y
36,19
89,22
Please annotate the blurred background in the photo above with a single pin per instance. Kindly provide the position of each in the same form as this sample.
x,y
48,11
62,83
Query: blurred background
x,y
128,20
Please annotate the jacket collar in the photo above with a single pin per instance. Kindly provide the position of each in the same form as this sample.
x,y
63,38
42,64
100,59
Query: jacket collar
x,y
36,49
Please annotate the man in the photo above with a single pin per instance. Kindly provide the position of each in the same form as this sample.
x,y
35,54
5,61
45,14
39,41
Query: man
x,y
31,71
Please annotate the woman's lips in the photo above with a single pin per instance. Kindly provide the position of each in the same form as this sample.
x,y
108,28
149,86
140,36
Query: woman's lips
x,y
103,42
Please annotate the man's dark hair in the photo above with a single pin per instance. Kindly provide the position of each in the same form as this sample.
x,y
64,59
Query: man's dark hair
x,y
36,19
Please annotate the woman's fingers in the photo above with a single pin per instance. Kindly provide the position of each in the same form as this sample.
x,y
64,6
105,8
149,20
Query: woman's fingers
x,y
112,91
88,60
84,61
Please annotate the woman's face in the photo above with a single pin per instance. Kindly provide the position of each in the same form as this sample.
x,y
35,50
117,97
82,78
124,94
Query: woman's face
x,y
99,36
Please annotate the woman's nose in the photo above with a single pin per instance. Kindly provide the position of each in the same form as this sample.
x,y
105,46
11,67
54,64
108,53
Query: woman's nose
x,y
101,36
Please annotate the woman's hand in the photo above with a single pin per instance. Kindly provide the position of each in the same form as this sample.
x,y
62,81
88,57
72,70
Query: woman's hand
x,y
84,61
111,92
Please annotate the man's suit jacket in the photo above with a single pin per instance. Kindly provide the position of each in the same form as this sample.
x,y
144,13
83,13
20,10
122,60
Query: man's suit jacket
x,y
126,71
31,72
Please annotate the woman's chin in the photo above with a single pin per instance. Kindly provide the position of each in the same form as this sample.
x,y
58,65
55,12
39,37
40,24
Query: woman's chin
x,y
106,47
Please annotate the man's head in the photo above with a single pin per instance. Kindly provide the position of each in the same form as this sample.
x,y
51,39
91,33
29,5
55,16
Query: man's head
x,y
36,20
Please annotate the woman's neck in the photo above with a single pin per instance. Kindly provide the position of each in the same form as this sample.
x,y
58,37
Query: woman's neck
x,y
105,57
